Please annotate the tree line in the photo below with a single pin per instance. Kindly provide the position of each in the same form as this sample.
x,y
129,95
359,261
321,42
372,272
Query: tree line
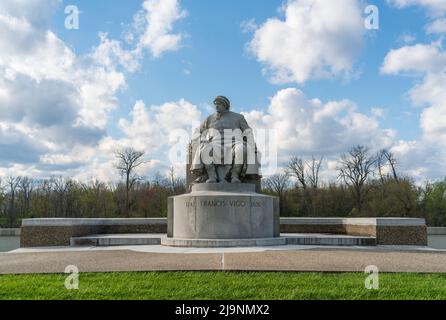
x,y
58,197
367,185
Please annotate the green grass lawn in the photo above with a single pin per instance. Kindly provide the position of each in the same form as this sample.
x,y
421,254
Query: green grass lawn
x,y
223,285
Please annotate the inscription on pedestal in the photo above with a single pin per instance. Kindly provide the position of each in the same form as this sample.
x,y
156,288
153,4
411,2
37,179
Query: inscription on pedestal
x,y
224,203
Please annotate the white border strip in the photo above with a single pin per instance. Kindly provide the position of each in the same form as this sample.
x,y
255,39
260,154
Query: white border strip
x,y
58,222
62,222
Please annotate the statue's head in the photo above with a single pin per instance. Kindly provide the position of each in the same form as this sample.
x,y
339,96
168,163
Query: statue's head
x,y
222,104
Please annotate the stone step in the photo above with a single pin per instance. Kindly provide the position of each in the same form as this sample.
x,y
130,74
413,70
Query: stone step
x,y
328,240
105,240
223,243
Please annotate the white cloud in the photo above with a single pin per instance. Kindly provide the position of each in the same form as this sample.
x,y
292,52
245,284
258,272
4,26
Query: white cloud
x,y
417,58
151,128
249,25
54,104
155,130
407,38
378,112
435,7
420,160
159,17
429,61
37,12
424,158
432,92
315,40
60,99
18,146
437,26
111,53
152,29
306,127
36,53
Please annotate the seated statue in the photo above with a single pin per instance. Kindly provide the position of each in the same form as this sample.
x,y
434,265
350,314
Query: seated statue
x,y
223,150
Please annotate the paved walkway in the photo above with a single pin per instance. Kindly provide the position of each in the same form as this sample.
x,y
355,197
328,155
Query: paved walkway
x,y
158,258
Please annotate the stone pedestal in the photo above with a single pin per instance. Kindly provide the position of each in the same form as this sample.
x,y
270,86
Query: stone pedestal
x,y
223,215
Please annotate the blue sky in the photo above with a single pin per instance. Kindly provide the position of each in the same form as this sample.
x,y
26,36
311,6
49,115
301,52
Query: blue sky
x,y
215,55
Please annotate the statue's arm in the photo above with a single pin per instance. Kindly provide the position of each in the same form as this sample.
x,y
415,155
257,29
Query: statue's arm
x,y
243,124
197,164
248,135
205,125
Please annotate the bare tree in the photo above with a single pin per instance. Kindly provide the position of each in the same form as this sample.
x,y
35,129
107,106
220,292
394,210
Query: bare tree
x,y
177,184
13,183
2,198
26,188
172,179
296,168
128,160
46,189
60,186
278,184
391,160
355,169
314,166
307,175
306,172
380,164
386,158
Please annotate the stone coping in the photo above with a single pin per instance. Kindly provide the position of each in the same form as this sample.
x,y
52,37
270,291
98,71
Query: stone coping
x,y
296,221
316,221
436,231
69,222
398,222
12,232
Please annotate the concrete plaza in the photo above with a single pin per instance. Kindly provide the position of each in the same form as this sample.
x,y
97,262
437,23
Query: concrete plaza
x,y
280,258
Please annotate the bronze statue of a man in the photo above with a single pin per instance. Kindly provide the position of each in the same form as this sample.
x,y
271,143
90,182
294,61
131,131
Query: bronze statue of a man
x,y
225,147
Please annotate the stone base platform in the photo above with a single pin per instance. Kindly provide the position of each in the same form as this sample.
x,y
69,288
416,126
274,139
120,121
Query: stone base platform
x,y
285,239
108,240
223,243
386,231
328,240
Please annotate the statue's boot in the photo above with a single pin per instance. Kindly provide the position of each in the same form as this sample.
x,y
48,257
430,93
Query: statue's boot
x,y
212,174
236,170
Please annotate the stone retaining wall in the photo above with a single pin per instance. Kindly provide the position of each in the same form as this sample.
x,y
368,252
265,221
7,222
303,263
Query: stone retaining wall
x,y
388,231
58,232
